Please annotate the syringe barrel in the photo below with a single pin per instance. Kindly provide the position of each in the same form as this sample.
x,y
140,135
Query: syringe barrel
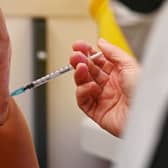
x,y
52,75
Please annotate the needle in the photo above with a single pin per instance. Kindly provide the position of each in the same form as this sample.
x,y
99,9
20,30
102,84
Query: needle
x,y
48,77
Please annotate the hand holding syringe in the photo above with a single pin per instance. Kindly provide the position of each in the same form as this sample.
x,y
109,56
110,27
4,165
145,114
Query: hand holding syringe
x,y
48,77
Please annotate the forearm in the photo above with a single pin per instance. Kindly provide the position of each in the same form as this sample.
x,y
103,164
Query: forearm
x,y
16,145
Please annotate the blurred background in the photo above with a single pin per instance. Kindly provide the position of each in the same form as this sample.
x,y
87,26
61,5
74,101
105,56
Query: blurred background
x,y
42,33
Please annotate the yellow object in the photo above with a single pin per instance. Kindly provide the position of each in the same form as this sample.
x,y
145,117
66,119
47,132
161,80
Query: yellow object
x,y
108,27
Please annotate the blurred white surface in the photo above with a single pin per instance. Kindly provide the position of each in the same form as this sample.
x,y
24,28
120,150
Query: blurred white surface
x,y
98,142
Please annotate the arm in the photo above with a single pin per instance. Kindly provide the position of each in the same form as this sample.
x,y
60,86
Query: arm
x,y
16,147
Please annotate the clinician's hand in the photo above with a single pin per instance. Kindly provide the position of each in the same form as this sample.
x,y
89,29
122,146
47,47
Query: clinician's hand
x,y
16,147
104,85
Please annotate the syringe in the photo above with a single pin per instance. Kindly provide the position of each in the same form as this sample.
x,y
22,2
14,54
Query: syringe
x,y
48,77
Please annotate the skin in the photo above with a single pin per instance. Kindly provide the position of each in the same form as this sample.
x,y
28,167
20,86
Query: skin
x,y
104,85
16,147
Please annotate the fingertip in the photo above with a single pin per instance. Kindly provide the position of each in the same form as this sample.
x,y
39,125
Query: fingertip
x,y
104,45
84,47
112,52
102,40
78,57
78,43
